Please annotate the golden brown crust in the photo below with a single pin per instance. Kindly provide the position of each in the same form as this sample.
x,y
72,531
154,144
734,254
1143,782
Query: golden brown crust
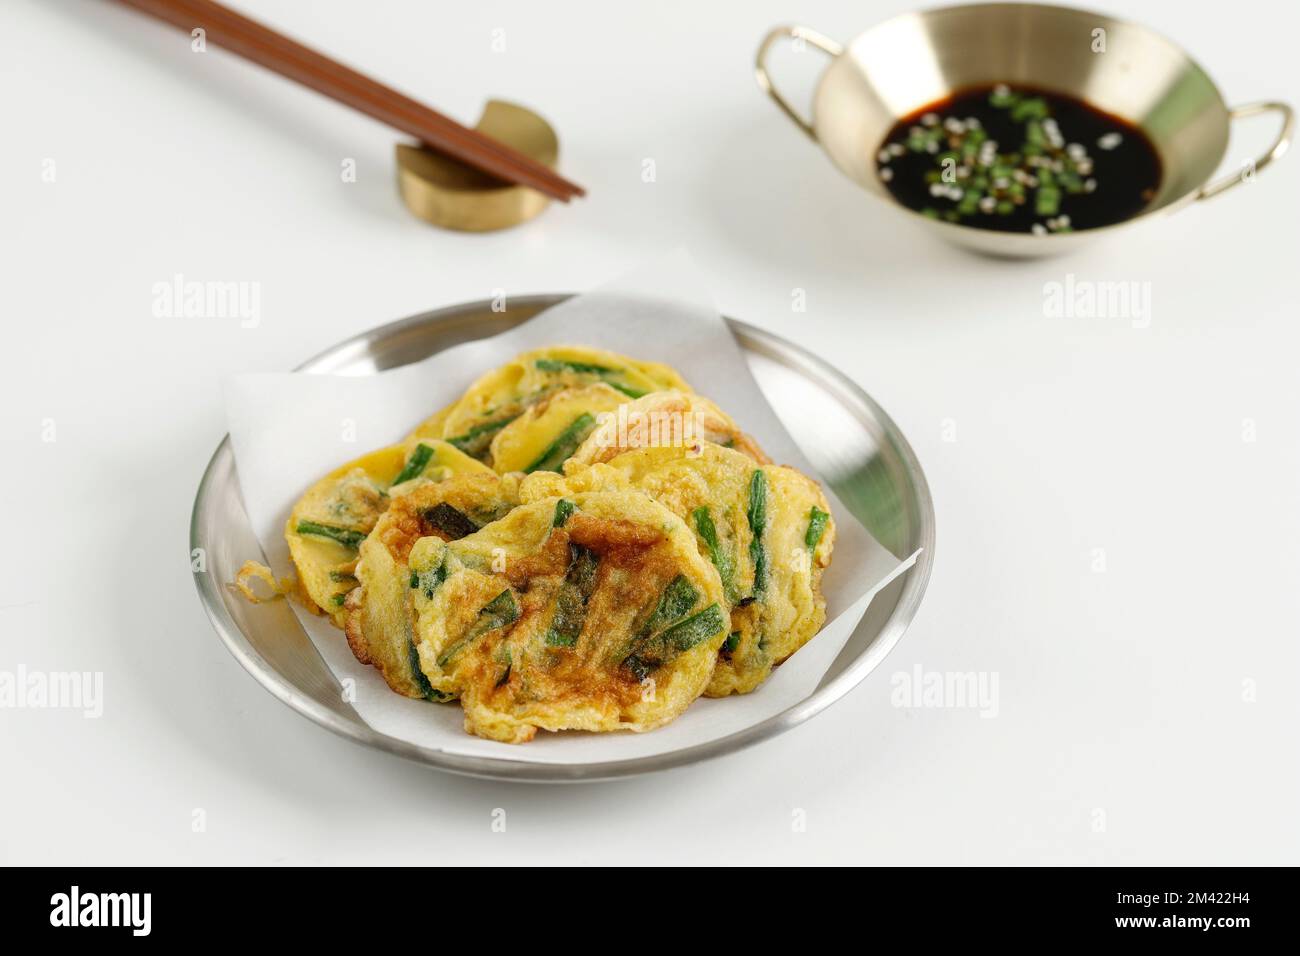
x,y
607,666
378,615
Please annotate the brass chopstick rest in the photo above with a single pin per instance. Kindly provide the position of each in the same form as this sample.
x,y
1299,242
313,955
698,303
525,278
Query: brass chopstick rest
x,y
447,193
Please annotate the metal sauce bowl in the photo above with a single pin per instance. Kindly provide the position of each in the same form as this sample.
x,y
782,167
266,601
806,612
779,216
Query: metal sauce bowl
x,y
902,64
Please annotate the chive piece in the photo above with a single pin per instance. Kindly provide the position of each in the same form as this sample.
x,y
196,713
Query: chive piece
x,y
640,667
448,521
816,528
721,559
681,637
421,681
504,657
648,650
563,511
588,368
338,599
1033,108
684,635
627,390
475,442
1002,97
415,465
564,445
677,599
344,536
757,515
497,613
563,365
428,581
555,638
571,602
732,642
343,577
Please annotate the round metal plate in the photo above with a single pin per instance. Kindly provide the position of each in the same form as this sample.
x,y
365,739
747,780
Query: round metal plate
x,y
851,442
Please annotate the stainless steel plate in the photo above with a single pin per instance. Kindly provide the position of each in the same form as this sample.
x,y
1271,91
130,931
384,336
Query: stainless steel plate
x,y
853,444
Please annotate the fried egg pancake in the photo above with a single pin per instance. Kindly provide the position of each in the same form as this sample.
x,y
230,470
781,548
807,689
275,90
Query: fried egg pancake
x,y
329,522
380,620
550,431
595,612
664,419
766,529
503,394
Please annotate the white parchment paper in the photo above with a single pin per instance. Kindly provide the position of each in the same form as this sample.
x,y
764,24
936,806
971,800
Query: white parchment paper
x,y
289,429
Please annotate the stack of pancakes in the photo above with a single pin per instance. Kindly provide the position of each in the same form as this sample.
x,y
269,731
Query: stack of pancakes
x,y
580,542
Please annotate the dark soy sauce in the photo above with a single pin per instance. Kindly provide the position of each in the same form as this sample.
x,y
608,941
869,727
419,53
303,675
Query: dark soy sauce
x,y
1019,160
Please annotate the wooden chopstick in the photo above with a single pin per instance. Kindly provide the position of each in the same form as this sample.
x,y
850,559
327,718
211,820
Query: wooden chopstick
x,y
264,46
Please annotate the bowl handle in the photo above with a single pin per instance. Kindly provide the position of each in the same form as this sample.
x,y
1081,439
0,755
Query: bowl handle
x,y
798,34
1276,151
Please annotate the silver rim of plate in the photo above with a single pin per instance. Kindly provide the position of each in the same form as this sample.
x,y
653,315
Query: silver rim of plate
x,y
855,447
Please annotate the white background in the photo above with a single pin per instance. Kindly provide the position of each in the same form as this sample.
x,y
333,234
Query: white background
x,y
1123,694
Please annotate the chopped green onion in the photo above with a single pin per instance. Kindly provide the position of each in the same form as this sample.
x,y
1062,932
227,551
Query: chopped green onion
x,y
757,516
415,465
421,681
1047,201
681,637
816,528
564,445
428,581
563,511
588,368
571,602
627,390
564,365
678,598
344,536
